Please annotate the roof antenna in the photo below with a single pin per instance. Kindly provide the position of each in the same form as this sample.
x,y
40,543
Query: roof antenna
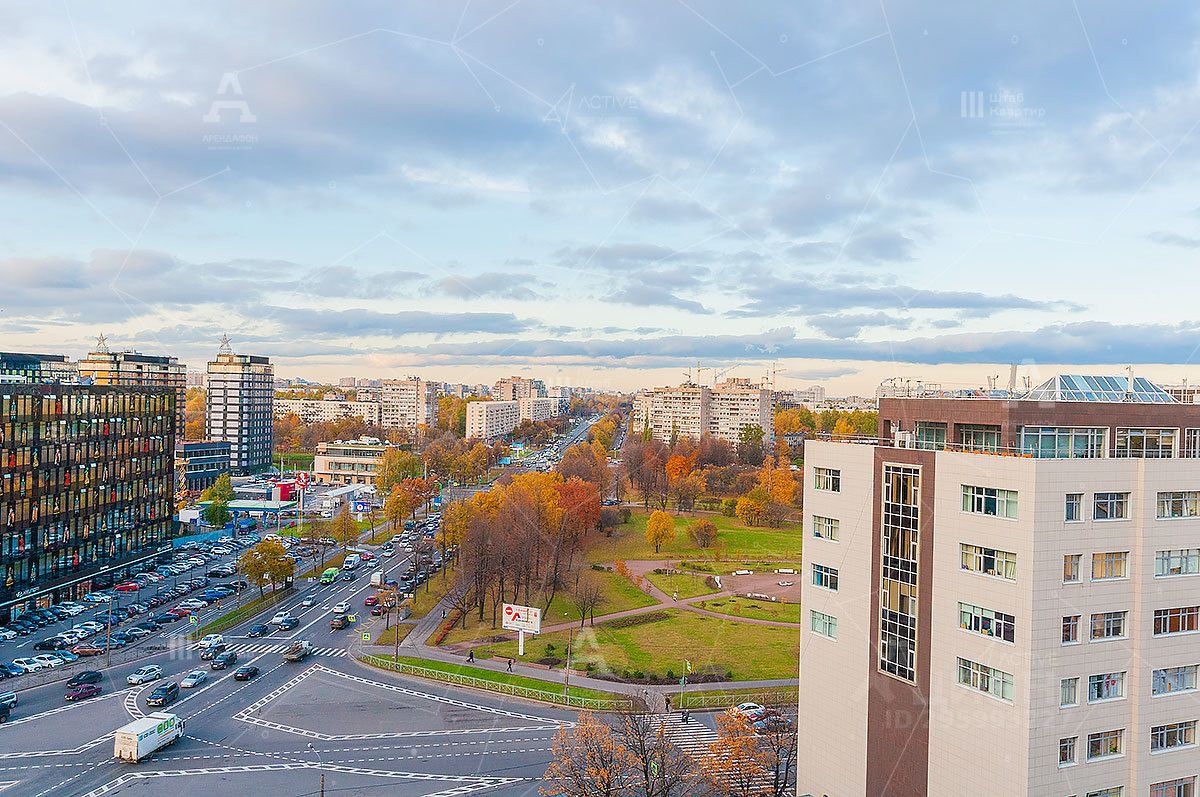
x,y
1012,377
1129,389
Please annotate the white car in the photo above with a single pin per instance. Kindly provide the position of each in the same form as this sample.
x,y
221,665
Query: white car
x,y
29,665
96,597
49,661
280,617
210,640
73,636
748,709
137,633
192,604
7,634
92,626
308,601
149,673
72,608
341,608
193,678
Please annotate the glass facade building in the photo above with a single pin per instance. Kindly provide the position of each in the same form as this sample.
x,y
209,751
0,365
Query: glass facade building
x,y
86,478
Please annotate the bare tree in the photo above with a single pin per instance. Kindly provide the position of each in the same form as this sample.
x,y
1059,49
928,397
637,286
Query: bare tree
x,y
660,767
587,597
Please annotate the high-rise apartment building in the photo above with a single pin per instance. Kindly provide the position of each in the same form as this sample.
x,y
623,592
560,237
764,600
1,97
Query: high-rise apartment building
x,y
538,409
1002,596
490,419
241,391
86,478
691,410
408,403
134,369
515,388
37,368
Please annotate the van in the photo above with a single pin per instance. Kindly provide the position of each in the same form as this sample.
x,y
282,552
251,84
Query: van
x,y
329,576
351,562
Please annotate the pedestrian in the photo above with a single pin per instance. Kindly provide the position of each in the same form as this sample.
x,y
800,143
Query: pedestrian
x,y
668,699
510,663
675,596
471,657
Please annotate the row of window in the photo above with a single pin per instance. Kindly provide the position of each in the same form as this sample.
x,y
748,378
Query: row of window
x,y
1111,743
1111,685
1114,625
1114,564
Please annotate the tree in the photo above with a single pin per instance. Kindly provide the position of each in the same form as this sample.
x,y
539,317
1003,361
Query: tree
x,y
778,744
193,413
588,761
750,444
660,767
397,506
587,596
735,764
752,507
779,482
343,528
267,562
217,514
703,532
221,489
394,466
660,529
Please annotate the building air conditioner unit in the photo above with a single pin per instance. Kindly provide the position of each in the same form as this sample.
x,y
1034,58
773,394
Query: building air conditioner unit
x,y
905,439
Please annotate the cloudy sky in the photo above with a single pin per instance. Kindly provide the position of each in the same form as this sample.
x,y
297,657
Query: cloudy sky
x,y
605,193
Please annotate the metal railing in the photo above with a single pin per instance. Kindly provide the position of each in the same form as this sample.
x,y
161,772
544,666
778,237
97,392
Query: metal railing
x,y
716,699
573,701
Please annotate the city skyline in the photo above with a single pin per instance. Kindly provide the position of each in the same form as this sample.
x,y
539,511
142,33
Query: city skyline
x,y
607,194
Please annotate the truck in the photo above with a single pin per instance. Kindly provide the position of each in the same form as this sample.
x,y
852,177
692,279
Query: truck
x,y
141,738
298,651
377,578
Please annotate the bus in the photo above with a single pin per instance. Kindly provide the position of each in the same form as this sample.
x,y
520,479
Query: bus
x,y
330,575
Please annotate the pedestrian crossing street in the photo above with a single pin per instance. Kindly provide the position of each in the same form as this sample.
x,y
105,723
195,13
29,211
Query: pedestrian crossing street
x,y
692,737
253,648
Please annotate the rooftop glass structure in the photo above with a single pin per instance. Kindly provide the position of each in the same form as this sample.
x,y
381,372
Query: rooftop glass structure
x,y
1112,389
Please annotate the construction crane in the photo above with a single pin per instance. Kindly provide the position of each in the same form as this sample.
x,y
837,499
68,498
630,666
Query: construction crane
x,y
699,368
717,376
771,374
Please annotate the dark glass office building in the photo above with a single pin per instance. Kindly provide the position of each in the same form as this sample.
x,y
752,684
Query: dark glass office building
x,y
86,478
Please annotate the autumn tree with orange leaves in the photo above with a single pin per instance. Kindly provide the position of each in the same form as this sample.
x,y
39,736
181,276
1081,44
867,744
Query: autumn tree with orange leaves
x,y
588,761
736,764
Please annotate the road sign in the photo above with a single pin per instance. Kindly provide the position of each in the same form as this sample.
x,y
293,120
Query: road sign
x,y
193,620
366,636
360,507
522,618
301,480
353,618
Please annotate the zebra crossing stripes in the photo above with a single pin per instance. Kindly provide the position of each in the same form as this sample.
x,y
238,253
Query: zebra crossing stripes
x,y
692,737
250,647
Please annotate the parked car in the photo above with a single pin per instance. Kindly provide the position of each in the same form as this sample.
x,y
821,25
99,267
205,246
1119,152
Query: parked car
x,y
193,678
245,673
66,655
87,649
163,694
83,692
151,672
28,664
48,660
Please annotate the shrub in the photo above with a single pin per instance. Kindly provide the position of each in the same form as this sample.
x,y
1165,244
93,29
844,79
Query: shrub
x,y
639,619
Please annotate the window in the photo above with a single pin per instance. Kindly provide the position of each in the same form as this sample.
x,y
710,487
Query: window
x,y
985,679
1066,751
826,577
1109,565
989,561
1173,679
1070,629
1105,743
1145,443
931,435
1063,442
979,437
825,527
1181,787
900,554
1071,568
1068,692
1073,512
823,624
1108,625
1178,620
1106,686
827,479
986,622
1173,735
989,501
1111,791
1191,443
1111,506
1182,562
1183,503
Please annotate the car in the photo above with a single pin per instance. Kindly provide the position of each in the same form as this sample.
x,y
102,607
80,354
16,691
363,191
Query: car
x,y
193,678
371,600
751,710
338,621
11,670
67,656
377,611
29,665
180,612
245,673
151,672
87,649
8,699
348,575
83,692
211,652
7,633
48,660
96,597
772,723
259,629
223,660
280,617
86,677
308,601
128,586
163,694
51,643
166,617
210,640
137,632
289,623
193,604
341,608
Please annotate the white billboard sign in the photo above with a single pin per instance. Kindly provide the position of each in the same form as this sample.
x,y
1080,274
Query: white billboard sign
x,y
522,618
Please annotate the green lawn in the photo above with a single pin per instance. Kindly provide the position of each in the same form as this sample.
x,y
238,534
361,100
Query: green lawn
x,y
685,584
749,652
777,696
619,595
388,636
502,677
734,541
753,609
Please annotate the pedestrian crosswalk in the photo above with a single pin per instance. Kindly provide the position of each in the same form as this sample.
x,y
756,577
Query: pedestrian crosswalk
x,y
692,737
253,648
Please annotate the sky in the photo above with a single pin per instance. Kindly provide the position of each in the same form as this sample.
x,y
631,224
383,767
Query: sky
x,y
607,193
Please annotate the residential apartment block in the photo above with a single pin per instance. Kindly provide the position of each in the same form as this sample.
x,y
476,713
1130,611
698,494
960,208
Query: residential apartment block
x,y
1002,596
539,409
329,408
408,403
241,390
691,410
86,478
490,419
515,388
134,369
349,461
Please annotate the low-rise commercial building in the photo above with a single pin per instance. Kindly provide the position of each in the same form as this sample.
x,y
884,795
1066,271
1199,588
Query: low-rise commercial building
x,y
198,463
487,420
349,461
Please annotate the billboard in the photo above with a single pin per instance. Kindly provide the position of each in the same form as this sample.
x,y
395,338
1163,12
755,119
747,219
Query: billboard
x,y
522,618
361,507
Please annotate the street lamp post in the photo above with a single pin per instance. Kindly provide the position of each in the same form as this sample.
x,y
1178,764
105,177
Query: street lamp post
x,y
322,763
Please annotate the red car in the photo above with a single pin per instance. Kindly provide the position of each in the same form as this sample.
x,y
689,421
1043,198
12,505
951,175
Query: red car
x,y
128,586
371,600
366,556
179,611
87,649
83,692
